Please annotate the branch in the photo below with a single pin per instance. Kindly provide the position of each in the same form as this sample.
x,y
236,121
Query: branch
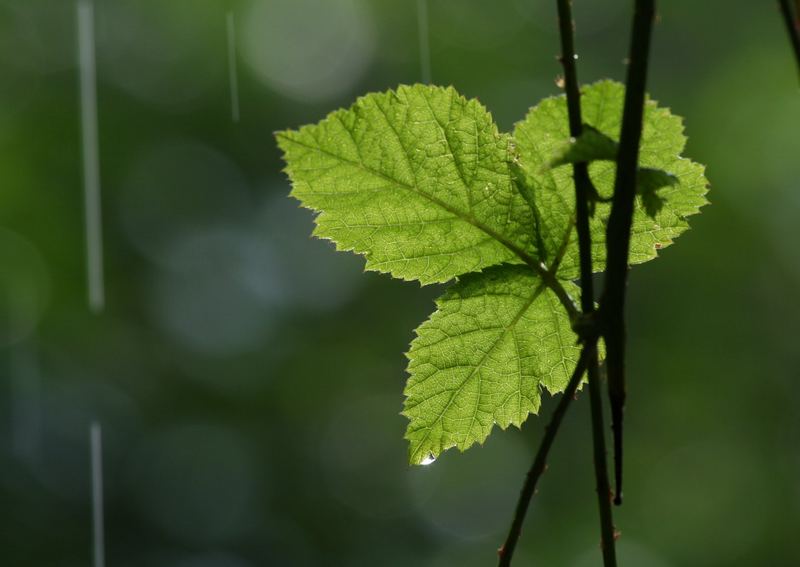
x,y
607,532
792,26
583,191
583,185
539,465
618,233
588,359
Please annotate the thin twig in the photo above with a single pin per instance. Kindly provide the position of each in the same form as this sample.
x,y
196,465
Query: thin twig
x,y
539,465
619,223
607,532
583,192
588,358
792,22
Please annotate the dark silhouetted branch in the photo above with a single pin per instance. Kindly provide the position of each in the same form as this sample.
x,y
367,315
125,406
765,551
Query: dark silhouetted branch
x,y
584,191
588,359
792,20
506,552
618,233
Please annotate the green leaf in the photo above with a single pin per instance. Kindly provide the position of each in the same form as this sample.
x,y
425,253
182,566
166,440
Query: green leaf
x,y
420,181
593,145
648,182
540,137
496,340
417,180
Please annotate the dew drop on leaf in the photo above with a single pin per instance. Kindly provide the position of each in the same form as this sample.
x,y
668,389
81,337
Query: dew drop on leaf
x,y
428,460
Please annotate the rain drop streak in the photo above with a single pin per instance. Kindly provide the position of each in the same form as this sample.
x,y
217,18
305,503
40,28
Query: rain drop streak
x,y
424,41
233,76
91,157
98,536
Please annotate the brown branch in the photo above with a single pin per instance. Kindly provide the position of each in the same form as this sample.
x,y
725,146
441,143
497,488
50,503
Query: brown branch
x,y
506,552
588,360
583,192
618,233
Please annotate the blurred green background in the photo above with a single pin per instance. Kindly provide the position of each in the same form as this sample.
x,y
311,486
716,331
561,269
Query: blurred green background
x,y
249,381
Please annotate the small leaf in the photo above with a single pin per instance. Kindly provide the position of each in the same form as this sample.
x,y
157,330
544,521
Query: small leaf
x,y
648,182
541,135
483,358
417,180
591,145
520,178
525,188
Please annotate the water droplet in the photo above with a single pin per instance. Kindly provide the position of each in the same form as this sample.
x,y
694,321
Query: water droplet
x,y
428,460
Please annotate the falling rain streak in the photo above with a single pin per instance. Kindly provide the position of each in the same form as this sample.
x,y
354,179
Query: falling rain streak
x,y
424,41
98,536
233,76
91,159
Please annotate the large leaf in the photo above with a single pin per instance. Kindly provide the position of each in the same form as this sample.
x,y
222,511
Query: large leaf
x,y
415,179
495,341
541,137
